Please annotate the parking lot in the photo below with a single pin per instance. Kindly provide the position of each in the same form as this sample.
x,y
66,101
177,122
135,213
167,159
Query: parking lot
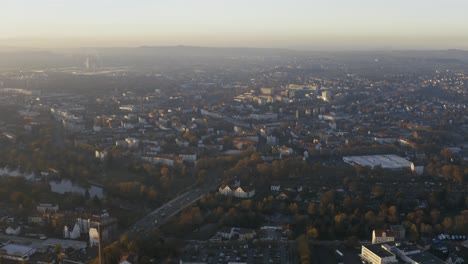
x,y
225,252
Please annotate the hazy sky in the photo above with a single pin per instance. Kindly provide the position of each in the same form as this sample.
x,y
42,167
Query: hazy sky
x,y
256,23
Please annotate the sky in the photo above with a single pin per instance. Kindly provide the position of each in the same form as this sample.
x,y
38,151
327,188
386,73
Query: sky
x,y
297,24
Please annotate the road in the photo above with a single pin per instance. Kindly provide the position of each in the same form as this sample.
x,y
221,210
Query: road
x,y
169,209
159,216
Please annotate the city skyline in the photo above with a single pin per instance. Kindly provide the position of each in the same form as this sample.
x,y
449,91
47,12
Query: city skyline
x,y
268,24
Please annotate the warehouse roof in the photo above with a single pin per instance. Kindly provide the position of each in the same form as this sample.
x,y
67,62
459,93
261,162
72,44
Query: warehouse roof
x,y
386,161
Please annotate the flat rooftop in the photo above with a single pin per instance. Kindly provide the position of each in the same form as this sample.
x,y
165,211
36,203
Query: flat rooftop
x,y
43,245
386,161
16,250
425,257
379,251
408,248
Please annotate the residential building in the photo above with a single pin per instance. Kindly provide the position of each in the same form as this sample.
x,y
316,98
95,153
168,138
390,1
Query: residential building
x,y
398,231
93,237
239,192
45,207
14,231
382,236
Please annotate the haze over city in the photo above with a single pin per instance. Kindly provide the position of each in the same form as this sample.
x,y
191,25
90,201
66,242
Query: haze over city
x,y
297,24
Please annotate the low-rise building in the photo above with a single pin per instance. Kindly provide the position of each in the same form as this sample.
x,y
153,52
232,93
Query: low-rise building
x,y
376,254
239,192
382,236
13,230
16,252
398,231
46,207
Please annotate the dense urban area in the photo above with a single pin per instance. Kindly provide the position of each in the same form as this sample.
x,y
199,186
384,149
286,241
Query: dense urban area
x,y
212,155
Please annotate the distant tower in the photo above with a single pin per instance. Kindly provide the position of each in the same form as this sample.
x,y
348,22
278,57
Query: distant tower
x,y
87,63
326,95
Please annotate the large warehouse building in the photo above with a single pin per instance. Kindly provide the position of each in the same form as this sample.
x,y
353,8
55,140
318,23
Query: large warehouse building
x,y
16,252
392,162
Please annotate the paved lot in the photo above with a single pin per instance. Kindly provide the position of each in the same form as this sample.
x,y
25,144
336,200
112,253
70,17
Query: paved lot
x,y
237,251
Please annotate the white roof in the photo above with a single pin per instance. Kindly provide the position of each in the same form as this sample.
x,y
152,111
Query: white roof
x,y
386,161
17,250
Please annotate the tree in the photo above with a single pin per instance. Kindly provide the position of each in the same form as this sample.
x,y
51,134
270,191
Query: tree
x,y
202,174
413,233
165,171
348,204
303,249
435,216
165,182
392,214
327,198
377,190
312,232
447,224
446,153
312,208
293,208
370,217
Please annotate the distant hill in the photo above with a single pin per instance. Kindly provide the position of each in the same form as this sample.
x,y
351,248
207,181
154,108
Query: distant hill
x,y
147,57
198,51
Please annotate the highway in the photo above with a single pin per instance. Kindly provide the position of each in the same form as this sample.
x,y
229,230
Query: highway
x,y
169,209
160,215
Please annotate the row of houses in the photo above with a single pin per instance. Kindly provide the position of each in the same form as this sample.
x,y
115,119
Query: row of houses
x,y
237,191
242,234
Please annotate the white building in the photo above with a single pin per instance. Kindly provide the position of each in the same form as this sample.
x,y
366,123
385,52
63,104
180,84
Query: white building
x,y
242,233
244,192
188,157
75,233
14,231
84,225
132,142
101,154
66,233
377,254
419,170
396,253
326,95
392,162
382,236
239,192
16,252
285,151
42,208
225,190
93,237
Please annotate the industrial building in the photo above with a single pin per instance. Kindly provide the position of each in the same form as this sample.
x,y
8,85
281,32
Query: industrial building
x,y
16,252
396,253
392,162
